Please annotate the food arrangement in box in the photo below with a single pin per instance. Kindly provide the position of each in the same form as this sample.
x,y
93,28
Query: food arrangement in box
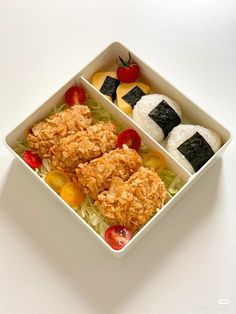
x,y
98,168
119,145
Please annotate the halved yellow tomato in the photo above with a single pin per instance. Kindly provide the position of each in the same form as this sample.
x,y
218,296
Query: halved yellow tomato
x,y
72,194
154,160
57,179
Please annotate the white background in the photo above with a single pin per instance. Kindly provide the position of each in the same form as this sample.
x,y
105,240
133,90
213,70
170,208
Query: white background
x,y
48,264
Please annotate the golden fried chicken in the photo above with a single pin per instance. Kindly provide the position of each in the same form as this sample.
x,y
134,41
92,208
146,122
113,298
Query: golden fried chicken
x,y
133,202
44,134
84,146
97,175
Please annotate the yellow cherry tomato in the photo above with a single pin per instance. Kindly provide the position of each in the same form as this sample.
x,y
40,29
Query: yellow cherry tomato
x,y
57,179
72,194
154,160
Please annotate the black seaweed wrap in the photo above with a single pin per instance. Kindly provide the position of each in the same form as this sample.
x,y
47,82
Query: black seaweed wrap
x,y
165,116
196,150
133,96
109,87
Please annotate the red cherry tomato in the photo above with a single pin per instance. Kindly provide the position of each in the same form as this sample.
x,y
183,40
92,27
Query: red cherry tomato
x,y
32,159
127,71
129,137
75,95
117,236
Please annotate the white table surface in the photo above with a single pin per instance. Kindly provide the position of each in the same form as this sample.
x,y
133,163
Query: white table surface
x,y
187,263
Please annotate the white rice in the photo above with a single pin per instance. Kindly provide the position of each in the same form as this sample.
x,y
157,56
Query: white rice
x,y
144,106
183,132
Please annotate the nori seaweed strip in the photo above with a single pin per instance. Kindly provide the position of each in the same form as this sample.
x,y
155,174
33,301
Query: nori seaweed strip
x,y
133,96
196,150
165,116
109,87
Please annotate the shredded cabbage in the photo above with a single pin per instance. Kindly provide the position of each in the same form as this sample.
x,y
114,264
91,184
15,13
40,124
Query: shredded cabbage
x,y
57,109
144,149
100,114
21,146
172,181
89,212
44,169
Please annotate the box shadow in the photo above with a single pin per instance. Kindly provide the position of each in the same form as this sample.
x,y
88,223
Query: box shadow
x,y
107,283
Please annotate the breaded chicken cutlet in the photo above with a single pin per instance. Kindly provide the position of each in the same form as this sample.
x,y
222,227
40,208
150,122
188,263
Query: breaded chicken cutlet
x,y
133,202
45,134
97,175
84,146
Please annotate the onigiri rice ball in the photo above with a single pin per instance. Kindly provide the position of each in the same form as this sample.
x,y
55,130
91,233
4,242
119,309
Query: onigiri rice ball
x,y
141,114
192,145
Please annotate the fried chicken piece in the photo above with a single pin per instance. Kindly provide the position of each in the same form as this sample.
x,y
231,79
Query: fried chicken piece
x,y
44,134
134,202
84,146
98,174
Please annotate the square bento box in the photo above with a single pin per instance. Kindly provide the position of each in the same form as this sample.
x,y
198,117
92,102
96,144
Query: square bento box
x,y
106,61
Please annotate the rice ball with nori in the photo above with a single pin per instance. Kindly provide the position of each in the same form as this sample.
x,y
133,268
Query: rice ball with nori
x,y
157,115
192,145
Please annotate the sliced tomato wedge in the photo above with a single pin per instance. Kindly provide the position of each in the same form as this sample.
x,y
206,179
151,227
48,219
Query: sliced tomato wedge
x,y
57,179
129,137
154,160
75,95
117,236
72,194
32,159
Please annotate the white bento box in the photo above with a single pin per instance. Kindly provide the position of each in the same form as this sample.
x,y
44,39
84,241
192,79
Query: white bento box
x,y
191,112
